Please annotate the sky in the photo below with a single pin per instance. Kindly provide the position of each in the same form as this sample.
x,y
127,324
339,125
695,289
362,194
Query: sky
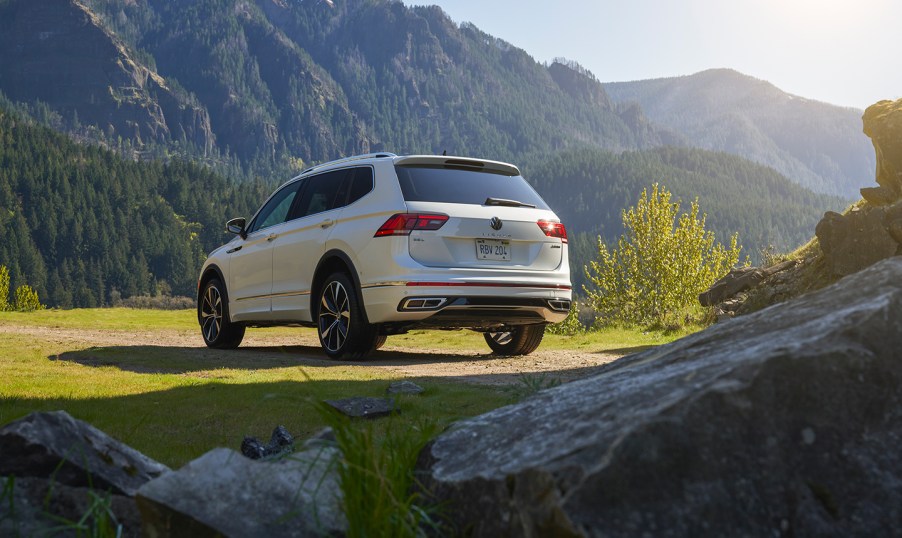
x,y
844,52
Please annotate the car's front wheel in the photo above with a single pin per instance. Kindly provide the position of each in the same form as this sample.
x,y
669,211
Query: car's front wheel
x,y
343,331
519,340
213,315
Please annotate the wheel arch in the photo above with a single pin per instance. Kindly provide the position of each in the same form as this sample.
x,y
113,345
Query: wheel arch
x,y
335,261
212,271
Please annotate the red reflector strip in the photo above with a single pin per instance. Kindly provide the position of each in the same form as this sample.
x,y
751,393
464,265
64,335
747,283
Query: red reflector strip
x,y
490,285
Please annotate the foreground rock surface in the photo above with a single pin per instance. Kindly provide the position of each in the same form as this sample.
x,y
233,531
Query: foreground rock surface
x,y
74,453
41,507
223,493
783,422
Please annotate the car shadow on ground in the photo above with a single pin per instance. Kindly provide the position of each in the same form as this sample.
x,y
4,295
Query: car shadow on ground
x,y
148,359
627,350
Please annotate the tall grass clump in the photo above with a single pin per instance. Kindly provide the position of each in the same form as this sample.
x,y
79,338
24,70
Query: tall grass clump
x,y
377,477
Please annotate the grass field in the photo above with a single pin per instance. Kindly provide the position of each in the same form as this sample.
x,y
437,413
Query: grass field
x,y
175,404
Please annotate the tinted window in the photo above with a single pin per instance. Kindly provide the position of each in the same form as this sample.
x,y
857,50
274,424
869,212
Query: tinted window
x,y
322,193
457,186
276,209
361,184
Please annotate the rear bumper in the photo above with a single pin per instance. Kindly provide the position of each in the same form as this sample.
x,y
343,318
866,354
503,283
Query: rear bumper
x,y
481,306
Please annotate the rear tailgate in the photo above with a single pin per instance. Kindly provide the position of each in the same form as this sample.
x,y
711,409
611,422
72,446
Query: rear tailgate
x,y
469,238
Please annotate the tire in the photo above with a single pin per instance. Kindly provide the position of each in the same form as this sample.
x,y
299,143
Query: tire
x,y
519,340
343,332
213,315
380,341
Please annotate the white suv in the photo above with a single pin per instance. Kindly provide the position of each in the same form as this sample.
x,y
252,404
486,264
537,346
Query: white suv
x,y
375,245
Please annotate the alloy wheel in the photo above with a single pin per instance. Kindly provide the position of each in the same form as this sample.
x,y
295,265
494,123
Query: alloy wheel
x,y
501,338
211,314
334,316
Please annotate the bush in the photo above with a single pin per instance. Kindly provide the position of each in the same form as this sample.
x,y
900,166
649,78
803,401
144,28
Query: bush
x,y
570,326
27,299
660,266
162,302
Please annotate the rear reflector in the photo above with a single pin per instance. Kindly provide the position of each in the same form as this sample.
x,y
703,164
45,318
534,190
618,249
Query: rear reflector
x,y
554,229
458,284
404,223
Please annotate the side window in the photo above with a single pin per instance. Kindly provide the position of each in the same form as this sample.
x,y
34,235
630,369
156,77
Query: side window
x,y
323,193
361,184
276,209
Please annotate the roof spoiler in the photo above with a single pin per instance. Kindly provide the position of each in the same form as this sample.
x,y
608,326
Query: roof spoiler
x,y
458,162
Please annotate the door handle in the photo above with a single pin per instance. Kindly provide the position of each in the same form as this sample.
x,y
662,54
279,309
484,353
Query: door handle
x,y
326,223
270,237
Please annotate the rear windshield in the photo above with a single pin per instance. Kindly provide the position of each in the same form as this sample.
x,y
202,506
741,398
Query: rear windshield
x,y
460,186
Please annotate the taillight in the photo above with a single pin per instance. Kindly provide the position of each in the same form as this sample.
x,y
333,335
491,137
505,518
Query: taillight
x,y
554,229
404,223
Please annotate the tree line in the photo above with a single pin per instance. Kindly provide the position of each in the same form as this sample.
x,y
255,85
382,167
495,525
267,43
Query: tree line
x,y
81,225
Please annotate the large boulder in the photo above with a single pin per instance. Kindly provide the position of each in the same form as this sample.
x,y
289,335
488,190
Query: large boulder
x,y
73,453
223,493
860,238
883,124
783,422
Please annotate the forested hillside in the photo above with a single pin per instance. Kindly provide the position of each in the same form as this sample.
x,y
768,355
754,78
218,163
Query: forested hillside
x,y
815,144
81,224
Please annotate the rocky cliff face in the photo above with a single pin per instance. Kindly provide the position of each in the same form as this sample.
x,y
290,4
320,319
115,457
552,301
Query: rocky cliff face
x,y
57,51
883,124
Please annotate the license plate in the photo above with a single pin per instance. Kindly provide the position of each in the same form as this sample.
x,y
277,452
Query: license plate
x,y
493,249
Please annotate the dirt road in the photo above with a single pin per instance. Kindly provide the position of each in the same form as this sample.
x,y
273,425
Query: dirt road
x,y
94,346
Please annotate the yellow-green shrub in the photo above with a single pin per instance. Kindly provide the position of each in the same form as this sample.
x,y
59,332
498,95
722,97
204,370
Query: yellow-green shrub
x,y
27,299
661,264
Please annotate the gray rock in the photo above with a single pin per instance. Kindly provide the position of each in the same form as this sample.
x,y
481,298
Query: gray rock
x,y
74,453
222,493
739,280
783,422
856,240
404,387
42,507
364,407
324,437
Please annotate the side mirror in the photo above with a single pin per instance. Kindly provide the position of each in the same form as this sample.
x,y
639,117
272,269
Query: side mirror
x,y
236,226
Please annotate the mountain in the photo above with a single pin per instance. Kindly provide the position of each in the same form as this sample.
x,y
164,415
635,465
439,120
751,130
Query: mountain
x,y
59,52
279,83
815,144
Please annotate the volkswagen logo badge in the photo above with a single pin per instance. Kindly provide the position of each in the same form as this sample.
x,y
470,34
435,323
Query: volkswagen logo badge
x,y
496,223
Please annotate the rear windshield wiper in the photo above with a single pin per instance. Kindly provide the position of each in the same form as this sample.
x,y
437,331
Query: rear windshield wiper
x,y
506,202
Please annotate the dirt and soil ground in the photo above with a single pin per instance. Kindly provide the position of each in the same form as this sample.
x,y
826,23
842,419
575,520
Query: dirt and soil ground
x,y
302,349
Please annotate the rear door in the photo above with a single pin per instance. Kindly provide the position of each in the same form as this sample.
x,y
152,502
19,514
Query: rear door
x,y
298,250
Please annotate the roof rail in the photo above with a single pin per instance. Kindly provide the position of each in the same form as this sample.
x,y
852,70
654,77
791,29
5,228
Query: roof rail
x,y
381,154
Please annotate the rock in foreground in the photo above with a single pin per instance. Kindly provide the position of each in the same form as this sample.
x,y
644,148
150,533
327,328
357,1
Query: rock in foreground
x,y
223,493
74,453
783,422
